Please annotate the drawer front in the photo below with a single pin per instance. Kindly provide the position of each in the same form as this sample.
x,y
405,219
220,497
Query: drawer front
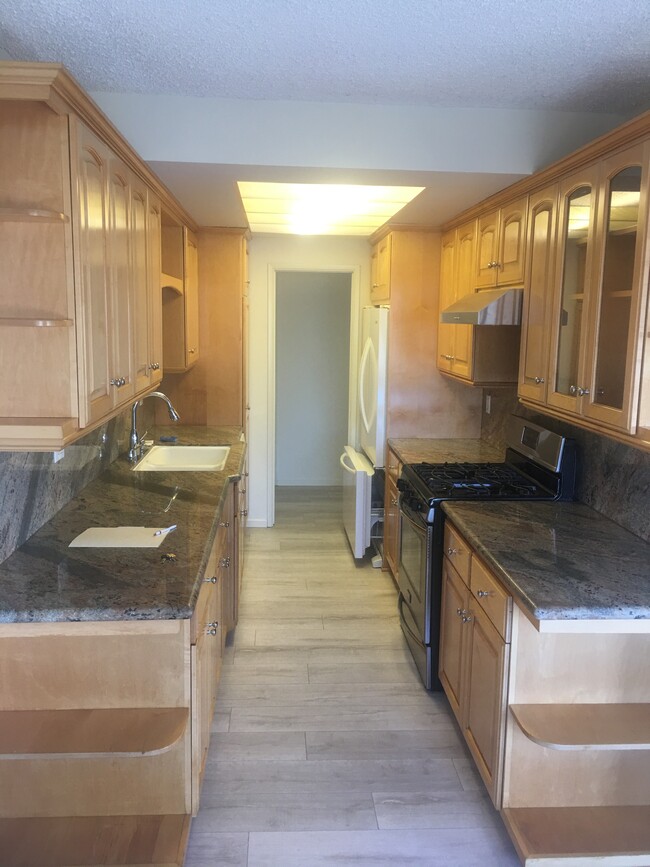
x,y
457,551
492,597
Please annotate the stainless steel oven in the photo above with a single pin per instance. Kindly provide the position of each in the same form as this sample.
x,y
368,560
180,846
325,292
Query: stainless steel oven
x,y
539,465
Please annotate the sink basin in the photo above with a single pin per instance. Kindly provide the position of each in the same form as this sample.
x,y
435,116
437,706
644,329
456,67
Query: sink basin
x,y
184,459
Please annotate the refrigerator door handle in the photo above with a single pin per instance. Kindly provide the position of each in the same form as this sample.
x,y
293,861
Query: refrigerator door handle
x,y
345,465
367,357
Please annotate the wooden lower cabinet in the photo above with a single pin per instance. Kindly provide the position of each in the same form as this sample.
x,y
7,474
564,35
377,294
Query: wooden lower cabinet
x,y
391,513
556,715
105,728
474,661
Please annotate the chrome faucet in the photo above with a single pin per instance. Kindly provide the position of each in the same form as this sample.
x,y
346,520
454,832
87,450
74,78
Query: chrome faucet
x,y
136,442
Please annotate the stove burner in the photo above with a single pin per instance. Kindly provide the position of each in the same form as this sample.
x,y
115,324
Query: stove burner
x,y
475,480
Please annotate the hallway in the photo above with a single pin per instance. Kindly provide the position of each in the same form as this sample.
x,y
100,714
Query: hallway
x,y
326,749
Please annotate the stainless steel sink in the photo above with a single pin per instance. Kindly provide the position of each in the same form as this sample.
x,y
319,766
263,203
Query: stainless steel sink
x,y
184,459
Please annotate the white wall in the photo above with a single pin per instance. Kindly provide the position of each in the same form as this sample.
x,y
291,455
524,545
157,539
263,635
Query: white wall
x,y
312,339
269,254
348,136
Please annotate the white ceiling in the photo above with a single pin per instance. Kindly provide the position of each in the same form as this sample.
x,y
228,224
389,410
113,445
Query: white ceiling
x,y
592,55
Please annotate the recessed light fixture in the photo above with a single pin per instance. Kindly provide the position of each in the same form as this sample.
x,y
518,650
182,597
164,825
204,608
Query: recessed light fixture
x,y
321,209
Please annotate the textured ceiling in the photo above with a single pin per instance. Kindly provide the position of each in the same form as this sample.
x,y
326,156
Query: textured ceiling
x,y
590,55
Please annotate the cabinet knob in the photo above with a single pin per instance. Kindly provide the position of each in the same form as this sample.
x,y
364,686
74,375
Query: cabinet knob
x,y
582,391
225,562
244,513
482,594
192,351
452,551
466,618
212,628
212,580
224,523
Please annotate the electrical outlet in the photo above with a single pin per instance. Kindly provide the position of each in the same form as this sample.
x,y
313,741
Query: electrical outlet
x,y
488,403
58,456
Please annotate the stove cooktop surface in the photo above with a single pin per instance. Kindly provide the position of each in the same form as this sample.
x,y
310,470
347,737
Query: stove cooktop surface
x,y
474,481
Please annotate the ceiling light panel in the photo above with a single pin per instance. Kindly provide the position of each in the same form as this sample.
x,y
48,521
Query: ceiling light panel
x,y
321,209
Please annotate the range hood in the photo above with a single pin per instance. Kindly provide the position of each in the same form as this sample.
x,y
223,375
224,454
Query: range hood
x,y
490,307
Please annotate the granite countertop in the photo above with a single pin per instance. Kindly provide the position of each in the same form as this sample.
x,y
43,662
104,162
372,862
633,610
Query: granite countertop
x,y
45,580
413,450
561,561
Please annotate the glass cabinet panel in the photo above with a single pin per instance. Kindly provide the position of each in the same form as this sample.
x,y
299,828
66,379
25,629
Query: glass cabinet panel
x,y
621,221
577,222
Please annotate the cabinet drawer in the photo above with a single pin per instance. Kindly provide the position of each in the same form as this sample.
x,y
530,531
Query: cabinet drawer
x,y
492,597
457,551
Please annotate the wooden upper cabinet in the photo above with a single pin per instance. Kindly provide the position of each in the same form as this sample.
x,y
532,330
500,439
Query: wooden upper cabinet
x,y
446,332
501,246
538,294
455,342
155,338
180,287
380,273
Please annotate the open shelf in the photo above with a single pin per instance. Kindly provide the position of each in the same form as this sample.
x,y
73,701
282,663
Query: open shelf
x,y
169,282
95,732
585,726
32,215
580,835
16,322
85,841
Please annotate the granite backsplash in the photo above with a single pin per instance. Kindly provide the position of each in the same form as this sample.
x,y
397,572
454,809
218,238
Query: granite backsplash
x,y
613,478
33,488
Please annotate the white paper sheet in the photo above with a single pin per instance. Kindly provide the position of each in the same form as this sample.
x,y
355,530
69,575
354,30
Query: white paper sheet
x,y
118,537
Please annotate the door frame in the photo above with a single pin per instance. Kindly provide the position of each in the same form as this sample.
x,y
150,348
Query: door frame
x,y
355,294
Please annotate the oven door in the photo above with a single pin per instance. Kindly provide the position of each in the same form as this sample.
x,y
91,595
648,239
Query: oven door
x,y
414,572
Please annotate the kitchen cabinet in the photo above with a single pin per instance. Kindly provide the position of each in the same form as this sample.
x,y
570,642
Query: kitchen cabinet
x,y
538,294
601,290
476,355
501,246
180,297
80,316
474,655
391,513
105,727
380,271
456,342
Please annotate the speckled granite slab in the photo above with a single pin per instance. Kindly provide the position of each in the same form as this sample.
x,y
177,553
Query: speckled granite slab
x,y
562,561
45,580
414,450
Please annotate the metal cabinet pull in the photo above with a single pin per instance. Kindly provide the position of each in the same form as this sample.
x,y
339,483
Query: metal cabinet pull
x,y
452,551
225,562
224,523
483,593
212,580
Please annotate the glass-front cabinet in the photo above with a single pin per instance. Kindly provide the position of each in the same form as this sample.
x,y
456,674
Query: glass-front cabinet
x,y
601,270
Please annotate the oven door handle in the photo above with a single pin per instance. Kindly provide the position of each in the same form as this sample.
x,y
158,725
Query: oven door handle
x,y
420,528
404,624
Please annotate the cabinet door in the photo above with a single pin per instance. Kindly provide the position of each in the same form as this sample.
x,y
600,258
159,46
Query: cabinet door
x,y
141,285
380,271
538,295
120,279
447,298
462,364
93,309
484,702
154,242
455,601
191,299
512,243
619,285
573,265
487,250
391,526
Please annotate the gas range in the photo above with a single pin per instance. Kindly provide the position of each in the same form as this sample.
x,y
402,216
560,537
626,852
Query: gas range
x,y
538,465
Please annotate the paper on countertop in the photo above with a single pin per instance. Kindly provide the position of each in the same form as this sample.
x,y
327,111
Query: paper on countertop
x,y
118,537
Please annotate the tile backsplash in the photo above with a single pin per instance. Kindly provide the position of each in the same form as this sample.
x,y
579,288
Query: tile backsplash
x,y
613,478
33,488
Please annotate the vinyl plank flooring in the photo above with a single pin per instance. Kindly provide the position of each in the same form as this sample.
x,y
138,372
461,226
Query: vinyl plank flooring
x,y
326,750
426,848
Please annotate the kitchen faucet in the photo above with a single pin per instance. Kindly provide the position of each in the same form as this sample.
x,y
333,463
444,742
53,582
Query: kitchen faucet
x,y
135,442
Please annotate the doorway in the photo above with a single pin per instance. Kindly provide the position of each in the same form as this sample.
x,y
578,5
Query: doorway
x,y
312,375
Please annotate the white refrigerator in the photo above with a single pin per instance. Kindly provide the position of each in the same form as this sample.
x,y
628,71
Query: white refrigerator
x,y
359,464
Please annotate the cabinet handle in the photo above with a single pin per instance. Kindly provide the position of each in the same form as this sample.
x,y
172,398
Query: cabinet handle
x,y
466,618
582,391
192,351
212,628
212,580
538,380
224,523
482,594
154,366
394,501
459,612
244,513
225,562
118,382
448,357
452,551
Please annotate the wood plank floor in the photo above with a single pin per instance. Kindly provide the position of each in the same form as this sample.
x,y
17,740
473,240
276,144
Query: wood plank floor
x,y
326,748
